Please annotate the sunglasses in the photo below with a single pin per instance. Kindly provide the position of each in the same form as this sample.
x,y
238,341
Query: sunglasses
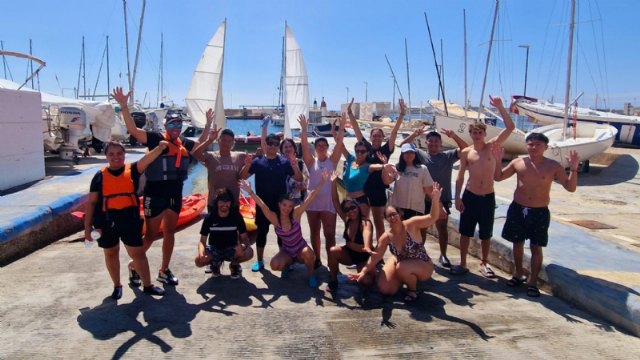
x,y
349,208
361,151
274,143
389,216
174,125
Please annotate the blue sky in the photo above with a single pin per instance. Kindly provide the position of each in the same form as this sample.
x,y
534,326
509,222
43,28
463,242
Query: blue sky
x,y
344,43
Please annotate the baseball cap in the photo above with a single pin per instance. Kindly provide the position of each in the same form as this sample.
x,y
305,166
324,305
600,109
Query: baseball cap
x,y
173,117
407,147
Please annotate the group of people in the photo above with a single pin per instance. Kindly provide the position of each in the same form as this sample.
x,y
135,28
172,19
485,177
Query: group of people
x,y
287,186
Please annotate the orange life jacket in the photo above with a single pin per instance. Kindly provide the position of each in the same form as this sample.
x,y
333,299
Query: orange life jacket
x,y
175,149
118,191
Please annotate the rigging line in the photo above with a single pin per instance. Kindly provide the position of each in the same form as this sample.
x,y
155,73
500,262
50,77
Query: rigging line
x,y
95,87
604,80
5,64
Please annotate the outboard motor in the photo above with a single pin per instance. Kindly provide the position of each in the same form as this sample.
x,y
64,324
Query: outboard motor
x,y
73,126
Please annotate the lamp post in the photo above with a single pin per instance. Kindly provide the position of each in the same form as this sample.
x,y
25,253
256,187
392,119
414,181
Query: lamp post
x,y
526,68
347,94
366,91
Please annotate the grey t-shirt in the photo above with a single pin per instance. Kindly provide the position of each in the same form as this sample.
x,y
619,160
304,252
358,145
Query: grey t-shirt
x,y
440,167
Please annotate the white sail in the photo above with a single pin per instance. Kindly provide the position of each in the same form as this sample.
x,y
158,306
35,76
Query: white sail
x,y
296,89
205,91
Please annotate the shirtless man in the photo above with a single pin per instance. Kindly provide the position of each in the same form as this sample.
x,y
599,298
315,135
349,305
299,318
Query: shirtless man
x,y
528,216
477,204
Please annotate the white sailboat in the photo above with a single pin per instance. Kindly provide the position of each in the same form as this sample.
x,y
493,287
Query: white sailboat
x,y
296,84
458,118
587,138
205,91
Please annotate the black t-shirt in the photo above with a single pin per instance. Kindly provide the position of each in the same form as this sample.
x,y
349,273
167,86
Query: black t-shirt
x,y
223,232
99,217
165,188
271,178
374,182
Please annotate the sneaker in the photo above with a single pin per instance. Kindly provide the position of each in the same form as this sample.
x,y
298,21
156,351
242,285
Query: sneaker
x,y
236,270
167,277
257,266
313,282
215,269
153,290
444,261
352,266
117,293
134,277
208,269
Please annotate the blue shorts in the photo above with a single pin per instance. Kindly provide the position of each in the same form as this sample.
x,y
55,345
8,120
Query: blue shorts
x,y
478,210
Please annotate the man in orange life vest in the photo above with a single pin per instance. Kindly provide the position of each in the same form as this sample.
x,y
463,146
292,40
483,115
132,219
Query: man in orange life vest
x,y
164,179
113,210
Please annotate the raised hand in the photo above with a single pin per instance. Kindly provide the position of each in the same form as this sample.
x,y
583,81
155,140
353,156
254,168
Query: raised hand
x,y
392,171
447,132
573,159
381,157
210,115
403,108
343,121
349,106
436,192
496,101
302,120
245,185
213,133
119,96
335,175
266,120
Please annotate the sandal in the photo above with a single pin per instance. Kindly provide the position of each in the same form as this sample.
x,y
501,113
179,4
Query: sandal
x,y
458,270
412,296
516,281
533,291
487,272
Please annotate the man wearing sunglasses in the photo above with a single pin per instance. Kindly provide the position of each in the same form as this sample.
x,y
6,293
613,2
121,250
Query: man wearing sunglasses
x,y
271,172
163,188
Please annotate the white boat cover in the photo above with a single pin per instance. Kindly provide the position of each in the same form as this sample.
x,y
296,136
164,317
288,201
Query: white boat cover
x,y
205,91
296,89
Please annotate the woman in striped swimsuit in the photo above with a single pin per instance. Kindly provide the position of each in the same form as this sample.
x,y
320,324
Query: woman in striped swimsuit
x,y
410,262
287,226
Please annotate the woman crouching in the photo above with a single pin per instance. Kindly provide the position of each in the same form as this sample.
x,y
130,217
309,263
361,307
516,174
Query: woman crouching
x,y
286,222
410,262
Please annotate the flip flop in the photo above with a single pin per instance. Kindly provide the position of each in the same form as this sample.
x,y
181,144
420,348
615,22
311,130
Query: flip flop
x,y
487,272
458,270
515,282
533,291
412,296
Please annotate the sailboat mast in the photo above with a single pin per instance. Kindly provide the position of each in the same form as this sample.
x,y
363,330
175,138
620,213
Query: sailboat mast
x,y
126,41
435,61
135,61
569,58
466,97
108,73
486,66
160,72
406,57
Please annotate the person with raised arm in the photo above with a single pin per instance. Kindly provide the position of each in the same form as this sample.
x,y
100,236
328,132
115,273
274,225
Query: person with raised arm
x,y
358,236
528,215
440,164
477,204
271,172
410,262
286,222
113,209
375,189
321,212
165,177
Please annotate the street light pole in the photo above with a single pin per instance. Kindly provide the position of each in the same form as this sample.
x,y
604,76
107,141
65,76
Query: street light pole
x,y
526,68
366,91
347,94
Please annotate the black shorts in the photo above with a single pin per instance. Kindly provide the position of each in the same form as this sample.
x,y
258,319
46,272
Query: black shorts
x,y
478,210
154,206
408,213
221,254
445,204
362,200
128,230
527,223
356,256
377,197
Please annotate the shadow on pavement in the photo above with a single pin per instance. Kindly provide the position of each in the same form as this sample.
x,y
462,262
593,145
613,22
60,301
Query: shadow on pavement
x,y
623,169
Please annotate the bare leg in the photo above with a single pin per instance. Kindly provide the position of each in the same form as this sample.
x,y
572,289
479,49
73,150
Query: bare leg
x,y
112,260
464,250
170,220
140,263
335,255
378,221
314,219
443,235
329,229
485,244
536,264
307,257
518,255
280,261
409,272
388,282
